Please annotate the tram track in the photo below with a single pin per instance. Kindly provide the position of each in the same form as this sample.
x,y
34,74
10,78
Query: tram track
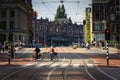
x,y
74,73
22,73
56,70
94,71
68,71
55,73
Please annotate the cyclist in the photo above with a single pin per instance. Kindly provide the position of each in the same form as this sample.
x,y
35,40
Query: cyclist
x,y
37,50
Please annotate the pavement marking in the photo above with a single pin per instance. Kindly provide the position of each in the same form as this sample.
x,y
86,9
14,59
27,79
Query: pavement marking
x,y
63,60
39,65
27,65
90,65
76,65
63,65
53,65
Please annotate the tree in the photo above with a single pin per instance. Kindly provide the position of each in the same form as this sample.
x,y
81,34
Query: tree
x,y
57,13
87,28
60,13
63,13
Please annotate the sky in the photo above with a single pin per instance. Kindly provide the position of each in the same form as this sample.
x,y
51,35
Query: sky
x,y
74,8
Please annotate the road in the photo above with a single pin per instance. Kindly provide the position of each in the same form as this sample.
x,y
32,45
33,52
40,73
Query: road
x,y
72,65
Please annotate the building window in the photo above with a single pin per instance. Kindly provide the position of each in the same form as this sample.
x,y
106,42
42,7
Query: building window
x,y
3,13
41,27
102,27
12,13
3,25
97,16
12,25
118,27
113,27
57,30
118,39
117,2
112,17
100,36
97,27
117,17
118,9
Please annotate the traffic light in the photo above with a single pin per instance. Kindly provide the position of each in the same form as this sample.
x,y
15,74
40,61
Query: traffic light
x,y
107,34
84,22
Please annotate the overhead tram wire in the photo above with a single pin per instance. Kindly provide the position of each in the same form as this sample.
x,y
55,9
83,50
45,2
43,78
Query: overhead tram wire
x,y
61,1
48,8
77,7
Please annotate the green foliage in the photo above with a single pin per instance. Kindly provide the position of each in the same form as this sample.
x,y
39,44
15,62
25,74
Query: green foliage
x,y
111,43
60,13
87,28
6,42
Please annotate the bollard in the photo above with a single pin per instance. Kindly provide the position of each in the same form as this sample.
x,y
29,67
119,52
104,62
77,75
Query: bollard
x,y
107,58
9,59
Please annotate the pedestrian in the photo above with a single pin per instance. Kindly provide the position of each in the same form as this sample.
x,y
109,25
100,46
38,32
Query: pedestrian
x,y
12,51
3,48
87,46
37,50
52,53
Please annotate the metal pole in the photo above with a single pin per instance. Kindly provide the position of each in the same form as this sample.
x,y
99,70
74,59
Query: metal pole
x,y
9,59
107,56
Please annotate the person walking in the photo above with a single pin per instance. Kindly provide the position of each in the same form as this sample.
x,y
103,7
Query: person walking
x,y
51,53
87,46
3,48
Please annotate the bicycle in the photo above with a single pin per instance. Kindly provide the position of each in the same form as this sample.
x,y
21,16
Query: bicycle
x,y
55,56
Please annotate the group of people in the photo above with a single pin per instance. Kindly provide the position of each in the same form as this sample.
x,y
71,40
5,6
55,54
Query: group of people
x,y
9,48
52,53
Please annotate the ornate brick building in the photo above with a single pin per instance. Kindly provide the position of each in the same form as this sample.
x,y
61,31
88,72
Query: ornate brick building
x,y
59,32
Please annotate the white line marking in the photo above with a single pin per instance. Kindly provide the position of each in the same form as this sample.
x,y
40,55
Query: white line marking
x,y
63,60
53,65
90,65
76,65
30,64
64,65
40,65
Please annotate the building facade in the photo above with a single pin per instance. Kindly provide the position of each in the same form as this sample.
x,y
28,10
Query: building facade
x,y
105,14
114,20
15,21
59,32
100,15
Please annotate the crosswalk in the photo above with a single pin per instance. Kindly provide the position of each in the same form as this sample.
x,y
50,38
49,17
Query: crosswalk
x,y
54,65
